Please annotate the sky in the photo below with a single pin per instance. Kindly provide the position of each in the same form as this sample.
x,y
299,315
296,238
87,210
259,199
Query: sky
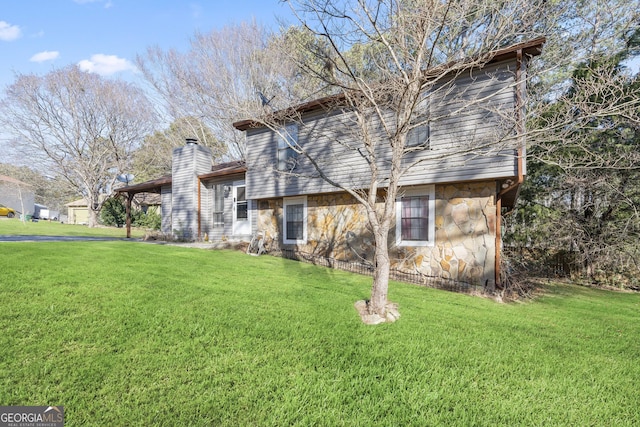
x,y
104,36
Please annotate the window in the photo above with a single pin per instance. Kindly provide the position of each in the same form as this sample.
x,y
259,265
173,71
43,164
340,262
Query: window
x,y
415,222
287,139
218,205
294,220
242,212
418,136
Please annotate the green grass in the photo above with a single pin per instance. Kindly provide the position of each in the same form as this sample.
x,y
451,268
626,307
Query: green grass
x,y
53,228
126,333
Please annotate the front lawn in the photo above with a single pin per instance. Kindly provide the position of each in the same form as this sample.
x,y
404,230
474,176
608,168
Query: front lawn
x,y
17,227
126,333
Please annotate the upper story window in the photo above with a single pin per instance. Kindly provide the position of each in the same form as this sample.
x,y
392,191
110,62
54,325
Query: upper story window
x,y
418,135
415,217
287,140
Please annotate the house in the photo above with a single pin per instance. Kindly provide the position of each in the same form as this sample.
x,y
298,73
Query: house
x,y
449,208
17,195
148,203
448,213
199,199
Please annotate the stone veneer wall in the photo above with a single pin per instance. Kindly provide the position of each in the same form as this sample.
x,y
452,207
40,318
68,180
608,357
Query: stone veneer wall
x,y
465,222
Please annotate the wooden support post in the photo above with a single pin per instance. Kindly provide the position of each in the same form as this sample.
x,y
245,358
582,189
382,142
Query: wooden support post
x,y
128,213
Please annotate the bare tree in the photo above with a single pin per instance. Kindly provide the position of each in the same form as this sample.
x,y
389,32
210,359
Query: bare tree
x,y
224,74
385,61
582,198
79,125
49,189
153,158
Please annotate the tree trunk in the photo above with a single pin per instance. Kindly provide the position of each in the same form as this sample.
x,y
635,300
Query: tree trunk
x,y
93,217
380,287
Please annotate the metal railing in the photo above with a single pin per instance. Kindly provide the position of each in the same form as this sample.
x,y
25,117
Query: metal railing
x,y
395,274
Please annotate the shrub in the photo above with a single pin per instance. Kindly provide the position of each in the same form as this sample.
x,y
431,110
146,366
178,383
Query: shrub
x,y
113,213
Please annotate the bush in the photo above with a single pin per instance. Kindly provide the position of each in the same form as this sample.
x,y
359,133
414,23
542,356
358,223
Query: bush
x,y
150,220
113,213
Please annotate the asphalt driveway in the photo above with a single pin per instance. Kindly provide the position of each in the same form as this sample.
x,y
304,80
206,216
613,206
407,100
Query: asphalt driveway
x,y
11,238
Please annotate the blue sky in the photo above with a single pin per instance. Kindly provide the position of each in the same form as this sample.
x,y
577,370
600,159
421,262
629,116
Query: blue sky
x,y
104,36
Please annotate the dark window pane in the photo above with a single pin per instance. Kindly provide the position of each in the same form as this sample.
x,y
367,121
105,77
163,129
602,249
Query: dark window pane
x,y
240,194
241,210
286,141
218,205
295,222
414,223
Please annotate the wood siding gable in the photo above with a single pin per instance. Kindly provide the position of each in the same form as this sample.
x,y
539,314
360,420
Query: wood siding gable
x,y
476,108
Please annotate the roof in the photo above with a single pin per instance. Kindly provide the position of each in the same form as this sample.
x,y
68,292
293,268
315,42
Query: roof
x,y
79,202
154,185
12,180
530,48
222,169
83,202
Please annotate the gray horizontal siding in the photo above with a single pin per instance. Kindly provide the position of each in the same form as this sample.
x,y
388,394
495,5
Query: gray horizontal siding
x,y
165,208
188,162
466,113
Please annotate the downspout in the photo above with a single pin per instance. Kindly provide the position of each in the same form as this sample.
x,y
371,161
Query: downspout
x,y
519,165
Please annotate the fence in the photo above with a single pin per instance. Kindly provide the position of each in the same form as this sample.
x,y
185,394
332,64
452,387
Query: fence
x,y
395,274
541,263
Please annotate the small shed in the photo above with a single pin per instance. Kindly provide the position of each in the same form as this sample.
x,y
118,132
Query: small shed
x,y
77,212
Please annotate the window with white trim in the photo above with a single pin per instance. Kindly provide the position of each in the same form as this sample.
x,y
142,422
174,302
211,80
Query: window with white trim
x,y
294,220
287,140
218,205
415,216
419,132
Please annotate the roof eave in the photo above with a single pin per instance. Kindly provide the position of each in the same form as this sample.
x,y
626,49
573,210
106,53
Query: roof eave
x,y
531,48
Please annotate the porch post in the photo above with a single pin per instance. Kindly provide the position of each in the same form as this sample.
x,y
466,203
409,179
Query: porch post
x,y
128,213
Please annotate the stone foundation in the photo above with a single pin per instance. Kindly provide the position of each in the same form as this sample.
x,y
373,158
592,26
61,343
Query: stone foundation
x,y
465,226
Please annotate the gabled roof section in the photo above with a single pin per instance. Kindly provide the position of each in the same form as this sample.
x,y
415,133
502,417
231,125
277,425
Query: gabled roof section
x,y
529,48
6,178
83,202
222,169
155,185
152,186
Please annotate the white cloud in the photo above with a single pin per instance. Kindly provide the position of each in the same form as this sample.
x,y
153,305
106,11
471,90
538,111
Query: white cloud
x,y
196,10
9,32
105,65
44,56
107,4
